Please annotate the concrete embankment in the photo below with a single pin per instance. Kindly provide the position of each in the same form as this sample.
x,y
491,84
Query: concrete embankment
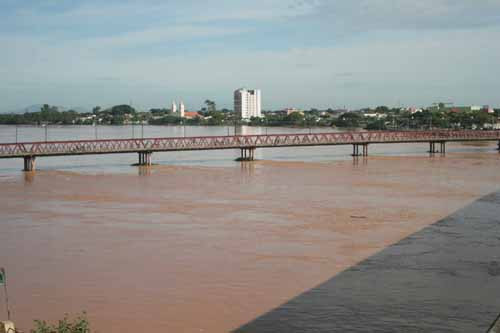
x,y
445,278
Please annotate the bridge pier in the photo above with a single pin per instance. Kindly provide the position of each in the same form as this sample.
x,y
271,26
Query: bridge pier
x,y
145,158
498,146
365,149
247,154
442,147
355,149
29,163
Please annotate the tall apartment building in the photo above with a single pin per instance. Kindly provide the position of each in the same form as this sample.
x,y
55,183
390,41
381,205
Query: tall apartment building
x,y
247,103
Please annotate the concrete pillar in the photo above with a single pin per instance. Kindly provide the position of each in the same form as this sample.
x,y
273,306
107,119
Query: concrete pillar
x,y
443,147
145,158
247,154
355,149
365,149
29,163
252,154
432,147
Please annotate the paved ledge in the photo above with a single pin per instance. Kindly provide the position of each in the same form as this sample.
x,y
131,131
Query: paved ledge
x,y
445,278
495,328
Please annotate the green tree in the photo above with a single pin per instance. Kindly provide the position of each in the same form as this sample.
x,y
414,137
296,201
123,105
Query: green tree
x,y
210,105
348,119
78,325
382,109
295,118
120,110
378,124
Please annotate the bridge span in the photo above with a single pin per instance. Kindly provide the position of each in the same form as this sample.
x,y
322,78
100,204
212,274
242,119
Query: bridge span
x,y
29,151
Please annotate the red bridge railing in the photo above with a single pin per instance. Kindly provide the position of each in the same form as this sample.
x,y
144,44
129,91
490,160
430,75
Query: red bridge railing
x,y
78,147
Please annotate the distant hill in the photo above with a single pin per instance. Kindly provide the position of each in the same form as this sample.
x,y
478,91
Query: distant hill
x,y
80,109
31,108
37,107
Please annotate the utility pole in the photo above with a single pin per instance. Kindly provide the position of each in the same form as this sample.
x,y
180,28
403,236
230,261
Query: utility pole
x,y
142,127
16,133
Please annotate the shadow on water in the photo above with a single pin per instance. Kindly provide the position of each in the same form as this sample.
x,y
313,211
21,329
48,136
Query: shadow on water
x,y
444,278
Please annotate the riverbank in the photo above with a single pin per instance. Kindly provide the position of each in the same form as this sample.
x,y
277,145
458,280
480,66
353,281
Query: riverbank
x,y
444,278
208,249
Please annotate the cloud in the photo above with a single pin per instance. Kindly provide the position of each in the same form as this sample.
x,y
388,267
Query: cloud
x,y
415,52
131,13
365,15
157,35
419,71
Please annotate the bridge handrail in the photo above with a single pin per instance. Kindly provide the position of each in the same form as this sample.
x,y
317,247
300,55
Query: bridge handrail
x,y
213,142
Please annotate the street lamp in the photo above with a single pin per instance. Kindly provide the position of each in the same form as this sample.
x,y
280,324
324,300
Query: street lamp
x,y
142,128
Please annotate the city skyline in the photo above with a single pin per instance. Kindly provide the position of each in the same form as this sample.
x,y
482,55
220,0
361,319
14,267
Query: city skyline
x,y
301,53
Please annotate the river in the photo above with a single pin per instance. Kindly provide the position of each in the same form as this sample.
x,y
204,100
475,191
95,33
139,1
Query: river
x,y
201,243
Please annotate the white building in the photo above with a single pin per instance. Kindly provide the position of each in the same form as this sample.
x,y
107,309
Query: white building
x,y
182,109
289,111
247,103
174,107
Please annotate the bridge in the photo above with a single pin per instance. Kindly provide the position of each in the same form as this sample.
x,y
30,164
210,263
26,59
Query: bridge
x,y
29,151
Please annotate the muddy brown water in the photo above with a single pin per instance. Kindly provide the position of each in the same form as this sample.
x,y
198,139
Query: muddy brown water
x,y
208,249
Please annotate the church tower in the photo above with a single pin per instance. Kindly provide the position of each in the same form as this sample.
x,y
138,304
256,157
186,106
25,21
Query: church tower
x,y
181,109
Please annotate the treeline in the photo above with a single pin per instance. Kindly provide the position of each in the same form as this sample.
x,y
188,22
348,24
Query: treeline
x,y
115,115
380,118
47,114
205,118
384,118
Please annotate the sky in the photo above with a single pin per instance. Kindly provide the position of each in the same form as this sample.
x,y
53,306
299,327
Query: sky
x,y
300,53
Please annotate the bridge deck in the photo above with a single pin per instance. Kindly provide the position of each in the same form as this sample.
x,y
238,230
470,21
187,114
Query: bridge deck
x,y
111,146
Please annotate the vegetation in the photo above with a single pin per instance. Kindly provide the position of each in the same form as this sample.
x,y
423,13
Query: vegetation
x,y
379,118
78,325
211,107
47,114
116,115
